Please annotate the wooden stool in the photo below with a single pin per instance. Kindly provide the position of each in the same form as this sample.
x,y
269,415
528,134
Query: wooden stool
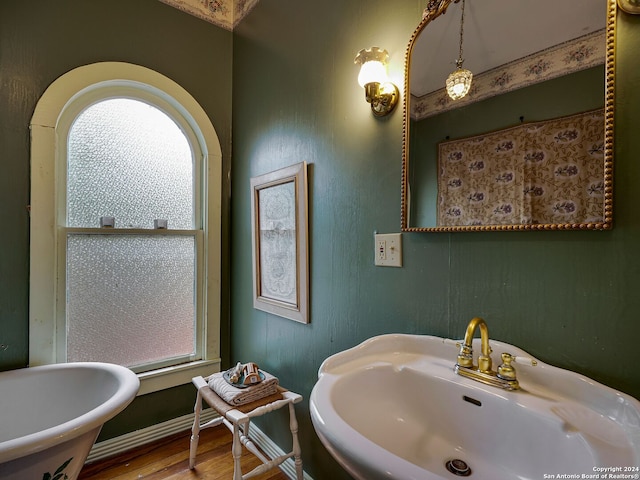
x,y
237,419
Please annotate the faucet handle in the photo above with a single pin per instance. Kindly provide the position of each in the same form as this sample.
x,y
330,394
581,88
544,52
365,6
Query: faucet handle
x,y
465,356
519,359
506,370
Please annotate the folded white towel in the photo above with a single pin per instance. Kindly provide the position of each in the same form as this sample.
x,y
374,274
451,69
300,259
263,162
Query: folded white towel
x,y
240,396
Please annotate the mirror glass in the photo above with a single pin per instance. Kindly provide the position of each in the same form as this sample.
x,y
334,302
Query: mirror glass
x,y
531,145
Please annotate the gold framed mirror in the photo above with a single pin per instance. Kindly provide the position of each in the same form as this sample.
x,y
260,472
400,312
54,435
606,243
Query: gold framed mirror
x,y
531,146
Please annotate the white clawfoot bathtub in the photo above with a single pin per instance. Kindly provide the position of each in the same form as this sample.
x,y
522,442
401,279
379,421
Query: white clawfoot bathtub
x,y
51,415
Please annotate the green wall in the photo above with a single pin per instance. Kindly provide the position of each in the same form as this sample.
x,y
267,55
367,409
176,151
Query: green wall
x,y
41,40
568,298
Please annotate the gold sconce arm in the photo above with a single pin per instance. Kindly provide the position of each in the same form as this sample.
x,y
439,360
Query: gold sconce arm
x,y
383,97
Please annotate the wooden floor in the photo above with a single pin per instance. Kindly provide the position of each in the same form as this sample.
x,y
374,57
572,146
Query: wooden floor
x,y
168,458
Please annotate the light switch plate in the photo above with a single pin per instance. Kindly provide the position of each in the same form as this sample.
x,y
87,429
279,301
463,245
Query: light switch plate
x,y
388,249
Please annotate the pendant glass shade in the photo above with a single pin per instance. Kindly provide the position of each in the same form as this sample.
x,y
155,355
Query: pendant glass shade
x,y
459,83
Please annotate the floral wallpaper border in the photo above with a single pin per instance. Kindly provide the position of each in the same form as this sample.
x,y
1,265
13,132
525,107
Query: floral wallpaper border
x,y
223,13
575,55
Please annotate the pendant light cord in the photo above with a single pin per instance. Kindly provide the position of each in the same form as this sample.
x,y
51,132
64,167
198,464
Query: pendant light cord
x,y
459,62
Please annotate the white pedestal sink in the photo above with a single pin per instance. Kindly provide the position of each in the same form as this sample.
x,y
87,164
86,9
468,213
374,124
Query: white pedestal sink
x,y
393,408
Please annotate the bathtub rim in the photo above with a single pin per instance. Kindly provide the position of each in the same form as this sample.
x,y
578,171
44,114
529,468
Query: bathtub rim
x,y
128,385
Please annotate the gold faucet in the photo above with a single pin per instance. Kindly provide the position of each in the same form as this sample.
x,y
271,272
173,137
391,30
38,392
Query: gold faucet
x,y
505,377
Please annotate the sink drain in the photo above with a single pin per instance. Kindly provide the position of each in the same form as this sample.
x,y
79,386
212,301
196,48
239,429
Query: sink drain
x,y
458,467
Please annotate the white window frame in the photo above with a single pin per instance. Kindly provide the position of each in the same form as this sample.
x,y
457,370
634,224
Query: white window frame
x,y
58,107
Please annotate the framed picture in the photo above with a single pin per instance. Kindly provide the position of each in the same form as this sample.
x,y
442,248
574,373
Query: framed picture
x,y
280,243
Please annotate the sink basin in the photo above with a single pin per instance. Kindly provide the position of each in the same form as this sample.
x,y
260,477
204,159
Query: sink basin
x,y
393,408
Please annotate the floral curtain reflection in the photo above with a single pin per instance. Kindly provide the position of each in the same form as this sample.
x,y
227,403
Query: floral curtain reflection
x,y
536,173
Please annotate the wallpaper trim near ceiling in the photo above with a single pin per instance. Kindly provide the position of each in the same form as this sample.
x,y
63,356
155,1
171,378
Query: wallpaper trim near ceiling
x,y
224,13
572,56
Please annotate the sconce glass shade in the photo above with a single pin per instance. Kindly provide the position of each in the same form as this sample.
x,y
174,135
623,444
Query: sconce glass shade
x,y
372,71
459,83
373,63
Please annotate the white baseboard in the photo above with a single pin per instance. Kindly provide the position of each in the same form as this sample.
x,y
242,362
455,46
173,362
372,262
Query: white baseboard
x,y
141,437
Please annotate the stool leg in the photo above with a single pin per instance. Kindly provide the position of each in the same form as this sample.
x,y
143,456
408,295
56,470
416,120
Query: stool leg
x,y
297,451
195,431
236,450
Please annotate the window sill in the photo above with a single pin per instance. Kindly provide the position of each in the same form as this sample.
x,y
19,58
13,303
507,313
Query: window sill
x,y
168,377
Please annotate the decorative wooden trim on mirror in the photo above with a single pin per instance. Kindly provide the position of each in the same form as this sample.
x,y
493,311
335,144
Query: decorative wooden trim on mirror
x,y
630,6
436,8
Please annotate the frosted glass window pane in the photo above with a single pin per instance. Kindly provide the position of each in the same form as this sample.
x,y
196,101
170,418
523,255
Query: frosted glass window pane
x,y
128,160
130,298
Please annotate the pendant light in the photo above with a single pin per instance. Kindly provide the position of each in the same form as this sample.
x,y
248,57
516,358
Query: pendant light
x,y
459,82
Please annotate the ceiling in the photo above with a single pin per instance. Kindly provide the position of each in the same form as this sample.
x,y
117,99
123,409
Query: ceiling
x,y
497,32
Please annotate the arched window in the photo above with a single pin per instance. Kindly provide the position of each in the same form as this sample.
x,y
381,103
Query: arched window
x,y
125,238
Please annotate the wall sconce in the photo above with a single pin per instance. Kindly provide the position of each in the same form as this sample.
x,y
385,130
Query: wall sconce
x,y
379,91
